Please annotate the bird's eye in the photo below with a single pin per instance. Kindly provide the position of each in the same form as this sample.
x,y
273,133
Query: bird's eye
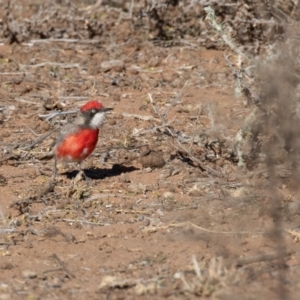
x,y
93,111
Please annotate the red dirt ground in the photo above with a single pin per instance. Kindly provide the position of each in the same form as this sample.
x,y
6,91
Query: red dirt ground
x,y
197,227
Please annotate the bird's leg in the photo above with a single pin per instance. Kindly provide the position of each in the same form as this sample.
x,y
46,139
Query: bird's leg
x,y
81,173
87,179
77,178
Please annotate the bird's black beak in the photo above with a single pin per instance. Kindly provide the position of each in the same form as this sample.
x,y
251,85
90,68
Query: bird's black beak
x,y
105,109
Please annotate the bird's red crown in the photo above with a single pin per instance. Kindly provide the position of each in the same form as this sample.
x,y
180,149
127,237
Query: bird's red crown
x,y
94,104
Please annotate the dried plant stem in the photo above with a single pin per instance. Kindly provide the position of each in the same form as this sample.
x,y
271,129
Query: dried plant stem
x,y
211,17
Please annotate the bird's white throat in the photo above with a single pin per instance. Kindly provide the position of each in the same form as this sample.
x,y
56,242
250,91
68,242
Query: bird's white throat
x,y
97,120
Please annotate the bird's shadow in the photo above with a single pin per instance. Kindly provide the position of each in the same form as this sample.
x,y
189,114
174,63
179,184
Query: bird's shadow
x,y
101,173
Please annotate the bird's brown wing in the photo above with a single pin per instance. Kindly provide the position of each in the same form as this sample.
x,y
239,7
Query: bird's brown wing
x,y
69,128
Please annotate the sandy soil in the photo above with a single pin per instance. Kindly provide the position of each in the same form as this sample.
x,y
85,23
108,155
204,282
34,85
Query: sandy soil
x,y
194,225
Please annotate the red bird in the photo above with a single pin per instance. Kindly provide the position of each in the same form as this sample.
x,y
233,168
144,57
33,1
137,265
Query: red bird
x,y
78,139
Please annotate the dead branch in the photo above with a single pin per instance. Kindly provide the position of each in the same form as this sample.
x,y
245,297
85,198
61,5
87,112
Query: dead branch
x,y
39,140
62,264
261,258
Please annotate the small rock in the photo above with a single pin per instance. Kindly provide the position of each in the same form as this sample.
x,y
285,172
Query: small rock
x,y
4,287
130,231
81,239
115,65
195,191
292,208
51,232
4,133
143,107
142,289
133,70
3,180
169,76
112,122
178,83
124,178
107,281
56,283
152,159
45,188
154,61
137,188
87,204
29,274
116,97
160,212
169,195
70,238
6,266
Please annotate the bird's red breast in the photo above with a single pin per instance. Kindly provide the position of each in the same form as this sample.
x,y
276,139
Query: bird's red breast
x,y
77,146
